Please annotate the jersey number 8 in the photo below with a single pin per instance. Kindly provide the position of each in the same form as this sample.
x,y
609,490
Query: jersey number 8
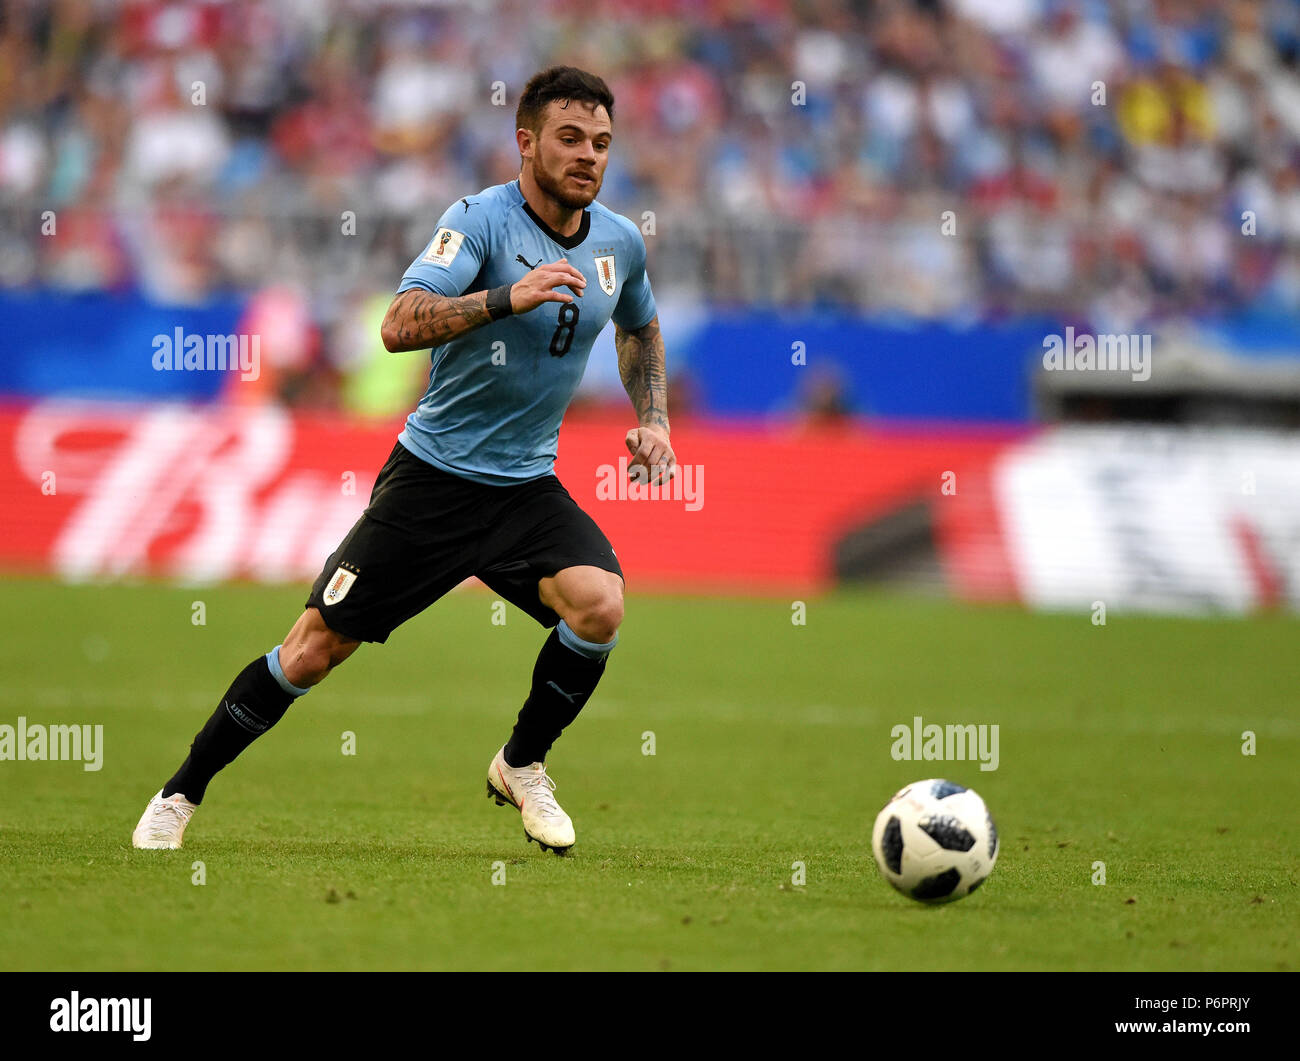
x,y
563,337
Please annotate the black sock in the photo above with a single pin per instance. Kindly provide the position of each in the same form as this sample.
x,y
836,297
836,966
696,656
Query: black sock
x,y
549,709
254,703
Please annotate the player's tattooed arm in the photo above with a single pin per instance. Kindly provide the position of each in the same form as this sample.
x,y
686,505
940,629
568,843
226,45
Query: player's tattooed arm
x,y
641,364
419,319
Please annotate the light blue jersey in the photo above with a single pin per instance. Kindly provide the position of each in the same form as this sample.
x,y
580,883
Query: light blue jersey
x,y
497,395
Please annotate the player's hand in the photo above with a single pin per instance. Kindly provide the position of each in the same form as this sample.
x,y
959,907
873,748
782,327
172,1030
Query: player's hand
x,y
653,460
539,285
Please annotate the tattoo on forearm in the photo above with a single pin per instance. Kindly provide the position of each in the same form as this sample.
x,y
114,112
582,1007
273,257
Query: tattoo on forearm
x,y
419,319
641,365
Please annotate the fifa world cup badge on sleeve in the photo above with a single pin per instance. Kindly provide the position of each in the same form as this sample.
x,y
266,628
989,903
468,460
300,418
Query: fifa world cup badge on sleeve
x,y
339,585
444,248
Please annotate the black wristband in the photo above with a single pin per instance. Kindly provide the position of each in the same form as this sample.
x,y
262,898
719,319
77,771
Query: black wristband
x,y
498,302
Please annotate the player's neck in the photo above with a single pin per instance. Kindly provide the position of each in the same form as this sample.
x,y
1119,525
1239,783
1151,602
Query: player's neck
x,y
559,217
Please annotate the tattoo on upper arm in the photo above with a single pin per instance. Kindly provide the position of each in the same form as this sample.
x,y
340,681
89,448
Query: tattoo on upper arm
x,y
641,364
420,318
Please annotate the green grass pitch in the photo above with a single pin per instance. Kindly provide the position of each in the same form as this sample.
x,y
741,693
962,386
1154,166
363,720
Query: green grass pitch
x,y
1119,744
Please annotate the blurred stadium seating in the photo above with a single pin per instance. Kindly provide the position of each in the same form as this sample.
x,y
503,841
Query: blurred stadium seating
x,y
917,192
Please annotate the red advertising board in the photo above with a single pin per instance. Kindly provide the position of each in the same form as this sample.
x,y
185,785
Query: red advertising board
x,y
104,491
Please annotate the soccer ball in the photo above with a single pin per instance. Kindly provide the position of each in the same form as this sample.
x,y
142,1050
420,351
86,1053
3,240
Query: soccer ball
x,y
935,841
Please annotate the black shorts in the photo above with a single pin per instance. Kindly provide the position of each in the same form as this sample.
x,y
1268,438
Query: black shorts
x,y
425,531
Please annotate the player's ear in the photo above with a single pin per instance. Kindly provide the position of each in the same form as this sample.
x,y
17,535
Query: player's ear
x,y
524,139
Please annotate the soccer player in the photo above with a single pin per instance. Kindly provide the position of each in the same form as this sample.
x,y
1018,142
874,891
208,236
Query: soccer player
x,y
510,294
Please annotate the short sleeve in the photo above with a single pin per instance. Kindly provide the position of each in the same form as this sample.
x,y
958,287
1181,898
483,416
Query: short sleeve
x,y
636,303
454,256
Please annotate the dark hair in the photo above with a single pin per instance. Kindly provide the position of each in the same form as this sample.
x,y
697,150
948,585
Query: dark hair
x,y
560,82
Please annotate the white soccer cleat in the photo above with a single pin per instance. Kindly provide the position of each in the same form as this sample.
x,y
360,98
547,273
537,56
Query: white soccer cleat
x,y
529,789
162,825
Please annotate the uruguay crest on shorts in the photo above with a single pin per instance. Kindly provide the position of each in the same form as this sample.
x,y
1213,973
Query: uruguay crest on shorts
x,y
339,585
605,272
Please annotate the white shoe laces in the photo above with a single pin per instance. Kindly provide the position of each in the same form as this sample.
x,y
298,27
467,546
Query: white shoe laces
x,y
540,786
167,815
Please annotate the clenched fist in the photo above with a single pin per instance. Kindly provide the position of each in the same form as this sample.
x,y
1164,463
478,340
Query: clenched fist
x,y
653,460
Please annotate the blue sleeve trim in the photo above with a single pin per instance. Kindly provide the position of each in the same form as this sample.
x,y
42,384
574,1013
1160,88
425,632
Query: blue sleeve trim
x,y
654,312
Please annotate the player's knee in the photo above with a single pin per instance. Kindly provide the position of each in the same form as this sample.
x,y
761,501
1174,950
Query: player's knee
x,y
308,663
598,620
311,651
317,659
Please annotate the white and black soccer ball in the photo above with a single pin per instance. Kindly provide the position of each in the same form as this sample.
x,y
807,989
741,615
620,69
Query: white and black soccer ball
x,y
935,841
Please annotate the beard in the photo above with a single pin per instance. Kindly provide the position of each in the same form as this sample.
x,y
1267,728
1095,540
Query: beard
x,y
569,198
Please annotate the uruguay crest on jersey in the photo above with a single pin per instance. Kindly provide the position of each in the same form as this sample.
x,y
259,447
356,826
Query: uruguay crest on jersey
x,y
605,270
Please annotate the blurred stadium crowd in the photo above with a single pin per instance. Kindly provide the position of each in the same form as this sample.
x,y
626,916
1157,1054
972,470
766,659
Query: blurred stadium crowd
x,y
796,154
